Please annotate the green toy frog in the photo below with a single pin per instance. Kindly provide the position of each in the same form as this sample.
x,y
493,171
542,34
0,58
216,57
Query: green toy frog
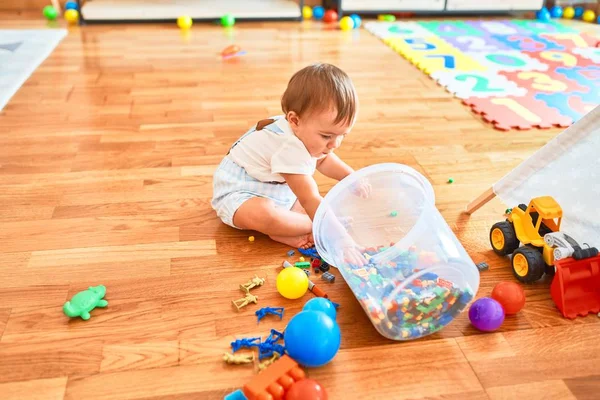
x,y
85,301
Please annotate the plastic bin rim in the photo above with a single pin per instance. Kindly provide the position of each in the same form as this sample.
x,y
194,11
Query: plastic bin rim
x,y
361,173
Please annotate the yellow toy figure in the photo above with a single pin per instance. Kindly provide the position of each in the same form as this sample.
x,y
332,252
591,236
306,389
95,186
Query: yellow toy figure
x,y
240,303
239,359
252,283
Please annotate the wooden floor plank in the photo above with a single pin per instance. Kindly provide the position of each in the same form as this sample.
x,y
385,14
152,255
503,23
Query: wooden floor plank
x,y
551,390
38,389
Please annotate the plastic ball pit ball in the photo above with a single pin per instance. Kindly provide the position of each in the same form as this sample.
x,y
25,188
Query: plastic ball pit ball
x,y
227,20
556,12
543,15
579,12
321,304
486,314
307,12
589,16
306,389
50,13
292,283
184,22
72,16
510,295
318,12
568,13
357,20
346,24
312,338
330,16
71,5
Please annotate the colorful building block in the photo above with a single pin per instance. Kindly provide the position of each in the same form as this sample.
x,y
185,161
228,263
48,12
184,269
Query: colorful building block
x,y
274,381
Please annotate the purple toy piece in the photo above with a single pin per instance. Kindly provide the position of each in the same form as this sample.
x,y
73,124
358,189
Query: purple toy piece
x,y
486,314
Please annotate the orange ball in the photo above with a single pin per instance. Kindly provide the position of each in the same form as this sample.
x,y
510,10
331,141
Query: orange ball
x,y
306,389
510,295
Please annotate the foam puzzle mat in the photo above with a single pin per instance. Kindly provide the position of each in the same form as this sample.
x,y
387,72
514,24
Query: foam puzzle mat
x,y
518,74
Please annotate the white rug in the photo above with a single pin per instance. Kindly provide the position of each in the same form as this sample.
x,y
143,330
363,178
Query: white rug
x,y
21,52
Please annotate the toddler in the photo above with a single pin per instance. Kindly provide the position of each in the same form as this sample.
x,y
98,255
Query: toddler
x,y
265,183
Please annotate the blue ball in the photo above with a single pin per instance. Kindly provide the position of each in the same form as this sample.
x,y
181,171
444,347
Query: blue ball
x,y
321,304
556,12
357,20
578,12
318,12
71,5
312,338
598,20
543,15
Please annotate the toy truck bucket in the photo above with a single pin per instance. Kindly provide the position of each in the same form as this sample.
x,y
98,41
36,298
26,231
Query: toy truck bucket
x,y
575,288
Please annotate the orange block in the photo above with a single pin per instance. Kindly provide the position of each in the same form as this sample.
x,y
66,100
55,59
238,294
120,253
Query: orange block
x,y
274,382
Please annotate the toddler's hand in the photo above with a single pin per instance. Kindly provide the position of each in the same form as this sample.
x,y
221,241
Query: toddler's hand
x,y
362,188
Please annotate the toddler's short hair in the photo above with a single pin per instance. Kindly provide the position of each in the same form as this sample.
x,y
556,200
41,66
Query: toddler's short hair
x,y
320,87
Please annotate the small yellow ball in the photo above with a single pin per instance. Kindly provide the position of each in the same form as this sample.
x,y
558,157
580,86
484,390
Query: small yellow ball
x,y
568,12
307,12
589,16
346,24
292,283
251,239
184,22
72,16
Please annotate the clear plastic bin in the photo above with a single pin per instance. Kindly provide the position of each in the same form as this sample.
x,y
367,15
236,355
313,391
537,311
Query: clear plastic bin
x,y
417,277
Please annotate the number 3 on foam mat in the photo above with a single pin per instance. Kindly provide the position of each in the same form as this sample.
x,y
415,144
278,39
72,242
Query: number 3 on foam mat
x,y
419,44
543,82
517,109
481,84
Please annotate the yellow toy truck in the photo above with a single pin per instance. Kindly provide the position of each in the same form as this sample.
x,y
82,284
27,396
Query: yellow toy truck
x,y
531,234
528,225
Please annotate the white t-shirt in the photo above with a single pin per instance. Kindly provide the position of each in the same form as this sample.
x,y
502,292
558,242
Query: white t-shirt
x,y
269,152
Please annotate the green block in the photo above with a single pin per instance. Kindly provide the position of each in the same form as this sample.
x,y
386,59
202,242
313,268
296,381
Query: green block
x,y
304,264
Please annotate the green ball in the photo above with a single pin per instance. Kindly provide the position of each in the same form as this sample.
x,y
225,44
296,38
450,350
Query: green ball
x,y
450,180
394,213
227,20
50,13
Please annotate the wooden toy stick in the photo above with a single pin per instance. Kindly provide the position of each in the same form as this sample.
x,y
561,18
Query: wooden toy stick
x,y
480,201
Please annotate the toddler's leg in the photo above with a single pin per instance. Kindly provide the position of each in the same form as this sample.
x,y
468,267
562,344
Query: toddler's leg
x,y
286,226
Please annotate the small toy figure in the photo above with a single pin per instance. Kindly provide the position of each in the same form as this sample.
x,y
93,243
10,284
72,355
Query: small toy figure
x,y
274,337
85,301
239,359
270,361
244,343
240,303
267,349
263,312
252,283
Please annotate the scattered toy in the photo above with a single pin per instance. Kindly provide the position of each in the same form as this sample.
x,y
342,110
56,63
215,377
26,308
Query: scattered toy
x,y
321,304
251,239
239,359
315,263
312,252
324,267
85,301
311,286
301,259
270,361
292,283
450,180
236,395
336,305
227,20
307,272
252,283
266,385
185,22
274,337
244,343
394,213
240,303
306,389
267,349
317,348
263,312
328,276
483,266
302,264
486,314
232,51
510,295
291,253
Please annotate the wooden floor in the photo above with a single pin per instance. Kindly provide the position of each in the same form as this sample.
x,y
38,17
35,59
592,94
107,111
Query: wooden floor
x,y
106,156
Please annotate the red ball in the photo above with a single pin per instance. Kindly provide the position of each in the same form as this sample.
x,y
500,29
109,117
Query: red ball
x,y
306,389
330,16
510,295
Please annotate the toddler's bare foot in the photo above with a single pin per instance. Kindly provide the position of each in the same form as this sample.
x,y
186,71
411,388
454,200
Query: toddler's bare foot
x,y
297,242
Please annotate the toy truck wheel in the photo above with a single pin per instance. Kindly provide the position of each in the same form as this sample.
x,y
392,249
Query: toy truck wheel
x,y
528,264
503,238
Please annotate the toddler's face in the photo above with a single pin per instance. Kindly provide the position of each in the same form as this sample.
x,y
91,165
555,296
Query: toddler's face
x,y
318,131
